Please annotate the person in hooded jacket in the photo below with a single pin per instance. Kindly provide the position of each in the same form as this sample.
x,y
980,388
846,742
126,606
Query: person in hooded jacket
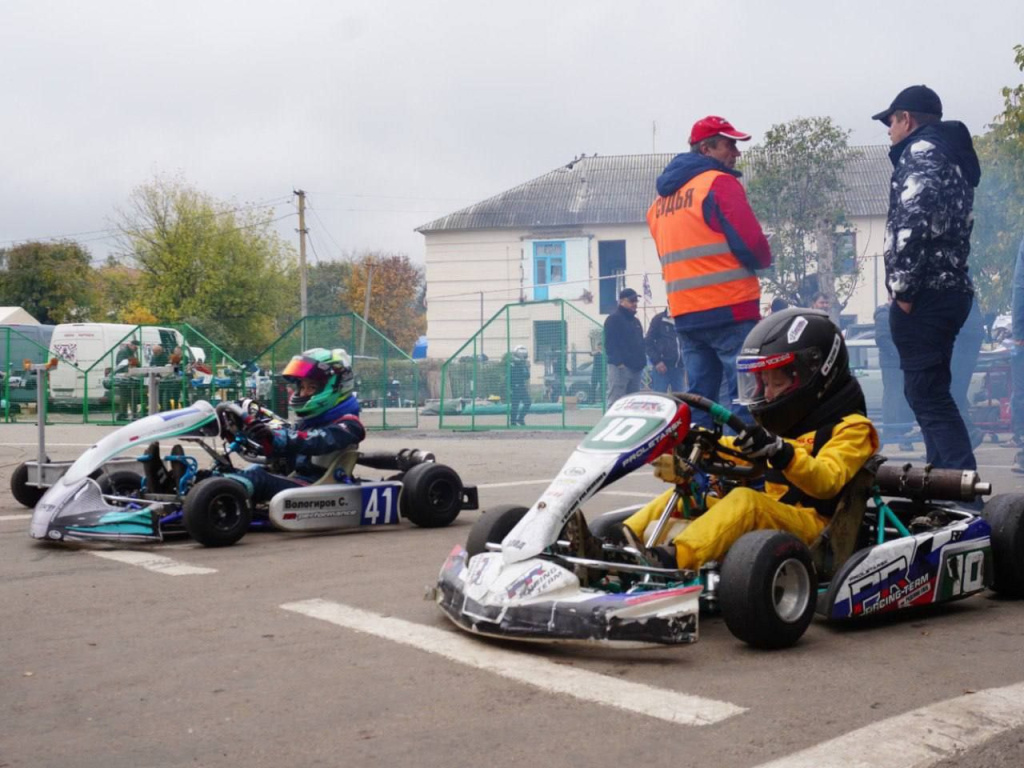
x,y
710,244
927,242
811,428
665,351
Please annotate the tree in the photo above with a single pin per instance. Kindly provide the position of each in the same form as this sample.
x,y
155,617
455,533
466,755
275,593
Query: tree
x,y
51,281
326,288
396,306
209,263
999,200
795,188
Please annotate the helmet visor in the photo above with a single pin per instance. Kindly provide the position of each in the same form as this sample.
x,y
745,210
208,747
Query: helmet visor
x,y
764,378
300,367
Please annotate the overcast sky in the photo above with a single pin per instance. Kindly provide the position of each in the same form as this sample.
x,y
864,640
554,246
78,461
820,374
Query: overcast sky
x,y
391,114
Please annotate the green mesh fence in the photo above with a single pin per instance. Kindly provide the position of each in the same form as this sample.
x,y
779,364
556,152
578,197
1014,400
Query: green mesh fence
x,y
486,384
18,385
387,379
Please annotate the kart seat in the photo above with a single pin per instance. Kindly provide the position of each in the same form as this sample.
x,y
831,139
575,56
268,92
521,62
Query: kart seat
x,y
344,460
842,535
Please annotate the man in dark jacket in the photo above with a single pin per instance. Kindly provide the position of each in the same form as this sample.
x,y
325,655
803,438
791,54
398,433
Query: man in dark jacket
x,y
624,347
665,351
927,242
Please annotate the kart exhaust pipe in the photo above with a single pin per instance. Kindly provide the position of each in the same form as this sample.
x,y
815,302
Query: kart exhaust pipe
x,y
927,483
403,461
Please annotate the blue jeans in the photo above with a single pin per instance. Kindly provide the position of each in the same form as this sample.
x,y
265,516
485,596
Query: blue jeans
x,y
924,339
672,380
709,355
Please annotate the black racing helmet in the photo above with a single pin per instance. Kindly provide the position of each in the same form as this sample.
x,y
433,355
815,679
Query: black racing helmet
x,y
790,362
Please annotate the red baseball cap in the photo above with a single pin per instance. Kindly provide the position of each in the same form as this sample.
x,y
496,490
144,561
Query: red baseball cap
x,y
713,125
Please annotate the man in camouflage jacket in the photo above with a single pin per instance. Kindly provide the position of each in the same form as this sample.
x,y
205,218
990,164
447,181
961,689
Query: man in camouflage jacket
x,y
927,242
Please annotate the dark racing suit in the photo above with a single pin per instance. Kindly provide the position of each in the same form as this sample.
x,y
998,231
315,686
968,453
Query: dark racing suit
x,y
308,448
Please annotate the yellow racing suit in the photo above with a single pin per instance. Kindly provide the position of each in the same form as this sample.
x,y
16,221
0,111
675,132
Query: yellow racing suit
x,y
798,497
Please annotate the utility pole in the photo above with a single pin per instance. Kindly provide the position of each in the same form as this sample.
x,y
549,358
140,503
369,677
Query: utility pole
x,y
302,251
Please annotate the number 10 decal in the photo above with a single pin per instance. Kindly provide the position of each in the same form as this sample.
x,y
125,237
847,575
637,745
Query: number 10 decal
x,y
379,501
620,430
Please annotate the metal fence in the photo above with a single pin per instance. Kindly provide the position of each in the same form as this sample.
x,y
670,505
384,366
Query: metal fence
x,y
387,379
484,386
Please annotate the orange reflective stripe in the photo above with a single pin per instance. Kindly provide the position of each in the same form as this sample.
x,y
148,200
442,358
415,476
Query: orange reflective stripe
x,y
697,265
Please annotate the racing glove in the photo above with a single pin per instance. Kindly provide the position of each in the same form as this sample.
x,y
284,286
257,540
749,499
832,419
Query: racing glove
x,y
262,433
755,442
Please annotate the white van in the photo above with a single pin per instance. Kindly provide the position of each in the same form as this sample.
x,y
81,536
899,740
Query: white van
x,y
82,344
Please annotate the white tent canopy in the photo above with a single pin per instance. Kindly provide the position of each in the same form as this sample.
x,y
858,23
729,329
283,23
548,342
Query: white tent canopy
x,y
11,315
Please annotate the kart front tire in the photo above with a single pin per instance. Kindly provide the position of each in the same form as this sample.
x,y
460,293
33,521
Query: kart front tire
x,y
431,495
123,482
493,526
1005,515
768,589
25,494
217,512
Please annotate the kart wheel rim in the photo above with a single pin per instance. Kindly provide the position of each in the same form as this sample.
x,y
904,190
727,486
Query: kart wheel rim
x,y
225,512
441,494
791,590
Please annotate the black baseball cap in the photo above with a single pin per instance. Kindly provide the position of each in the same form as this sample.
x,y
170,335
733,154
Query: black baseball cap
x,y
628,293
915,98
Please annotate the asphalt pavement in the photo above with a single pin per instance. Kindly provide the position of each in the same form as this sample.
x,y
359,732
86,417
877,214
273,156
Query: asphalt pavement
x,y
320,650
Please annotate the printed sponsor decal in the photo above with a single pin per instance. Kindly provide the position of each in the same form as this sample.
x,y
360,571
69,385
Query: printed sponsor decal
x,y
574,471
832,355
67,351
535,581
796,329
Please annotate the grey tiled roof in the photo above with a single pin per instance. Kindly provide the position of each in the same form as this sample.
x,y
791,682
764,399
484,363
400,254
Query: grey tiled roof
x,y
618,189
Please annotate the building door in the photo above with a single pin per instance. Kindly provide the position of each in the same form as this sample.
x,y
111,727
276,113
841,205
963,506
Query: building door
x,y
611,264
548,266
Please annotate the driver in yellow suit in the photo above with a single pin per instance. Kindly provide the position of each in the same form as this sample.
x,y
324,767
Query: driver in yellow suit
x,y
811,429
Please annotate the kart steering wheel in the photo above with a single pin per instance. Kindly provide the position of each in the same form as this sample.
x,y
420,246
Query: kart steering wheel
x,y
231,418
721,415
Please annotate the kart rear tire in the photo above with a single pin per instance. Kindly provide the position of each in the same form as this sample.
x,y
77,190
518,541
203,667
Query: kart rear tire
x,y
1005,515
217,512
123,482
493,526
768,589
25,494
431,495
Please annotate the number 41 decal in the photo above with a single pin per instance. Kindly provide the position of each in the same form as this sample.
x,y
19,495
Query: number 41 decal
x,y
379,501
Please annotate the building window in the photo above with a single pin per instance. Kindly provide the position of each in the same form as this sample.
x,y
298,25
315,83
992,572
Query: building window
x,y
548,266
846,253
611,264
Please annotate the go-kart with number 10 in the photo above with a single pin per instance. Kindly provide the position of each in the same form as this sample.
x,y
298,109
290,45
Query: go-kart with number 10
x,y
172,495
897,540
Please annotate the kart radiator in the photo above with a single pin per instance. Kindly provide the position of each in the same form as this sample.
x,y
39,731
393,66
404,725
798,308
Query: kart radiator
x,y
926,483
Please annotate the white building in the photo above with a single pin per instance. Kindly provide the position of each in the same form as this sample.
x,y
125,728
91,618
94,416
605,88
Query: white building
x,y
580,233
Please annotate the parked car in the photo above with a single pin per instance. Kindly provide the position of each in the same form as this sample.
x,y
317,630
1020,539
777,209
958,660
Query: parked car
x,y
575,384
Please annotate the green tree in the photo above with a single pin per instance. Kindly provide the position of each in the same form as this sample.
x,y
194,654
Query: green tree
x,y
999,200
209,263
396,297
51,281
795,188
326,288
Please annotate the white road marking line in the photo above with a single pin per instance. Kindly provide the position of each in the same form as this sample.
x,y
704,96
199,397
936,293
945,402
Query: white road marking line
x,y
49,444
920,738
16,517
155,563
678,708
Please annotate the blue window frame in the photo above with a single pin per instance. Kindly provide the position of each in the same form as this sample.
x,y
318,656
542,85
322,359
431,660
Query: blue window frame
x,y
548,266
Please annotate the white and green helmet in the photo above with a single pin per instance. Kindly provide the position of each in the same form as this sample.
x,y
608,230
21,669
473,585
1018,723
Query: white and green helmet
x,y
331,369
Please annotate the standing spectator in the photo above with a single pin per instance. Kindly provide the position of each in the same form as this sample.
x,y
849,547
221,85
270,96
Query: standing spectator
x,y
665,351
123,385
519,386
1017,360
897,418
624,339
709,243
927,242
821,302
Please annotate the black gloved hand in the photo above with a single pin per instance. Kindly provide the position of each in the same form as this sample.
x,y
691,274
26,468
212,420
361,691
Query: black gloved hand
x,y
755,442
262,433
